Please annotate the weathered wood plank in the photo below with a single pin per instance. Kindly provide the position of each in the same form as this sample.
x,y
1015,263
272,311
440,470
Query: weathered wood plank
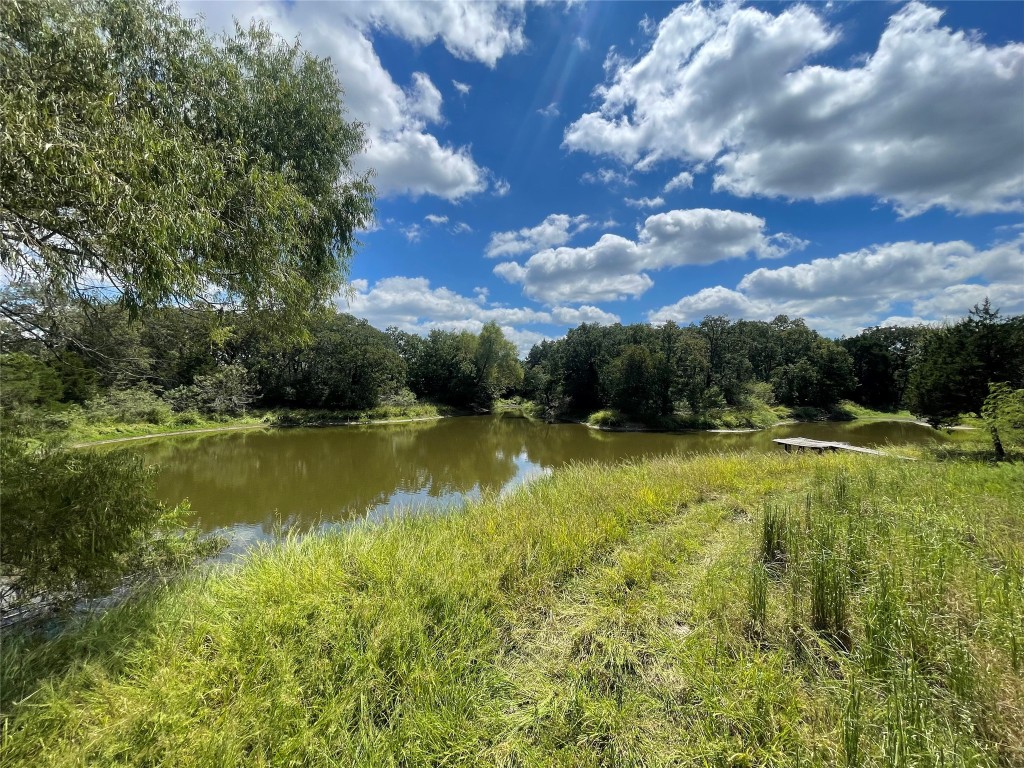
x,y
808,444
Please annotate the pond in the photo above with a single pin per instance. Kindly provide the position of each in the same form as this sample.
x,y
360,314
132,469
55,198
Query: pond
x,y
249,486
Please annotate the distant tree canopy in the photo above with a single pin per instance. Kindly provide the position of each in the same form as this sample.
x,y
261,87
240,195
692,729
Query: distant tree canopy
x,y
142,160
882,360
650,372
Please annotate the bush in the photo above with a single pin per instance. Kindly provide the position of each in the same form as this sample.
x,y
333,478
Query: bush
x,y
130,406
24,380
607,418
77,522
227,392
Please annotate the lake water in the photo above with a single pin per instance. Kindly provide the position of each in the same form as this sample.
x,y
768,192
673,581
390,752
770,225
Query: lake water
x,y
250,485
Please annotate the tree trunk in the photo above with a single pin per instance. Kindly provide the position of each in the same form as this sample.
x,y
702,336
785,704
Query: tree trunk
x,y
997,444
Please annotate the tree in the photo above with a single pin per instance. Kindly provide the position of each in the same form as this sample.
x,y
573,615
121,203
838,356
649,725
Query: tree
x,y
882,360
24,380
497,364
686,357
632,381
1003,412
141,161
446,368
228,391
75,524
729,369
957,364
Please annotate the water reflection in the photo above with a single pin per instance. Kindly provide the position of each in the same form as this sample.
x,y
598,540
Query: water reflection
x,y
250,484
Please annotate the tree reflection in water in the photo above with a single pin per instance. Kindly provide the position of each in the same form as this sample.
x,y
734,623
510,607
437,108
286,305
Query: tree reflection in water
x,y
248,484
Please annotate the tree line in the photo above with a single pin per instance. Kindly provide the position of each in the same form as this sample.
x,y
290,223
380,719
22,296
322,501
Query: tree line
x,y
218,363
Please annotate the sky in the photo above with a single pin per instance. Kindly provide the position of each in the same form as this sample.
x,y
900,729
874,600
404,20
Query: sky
x,y
545,165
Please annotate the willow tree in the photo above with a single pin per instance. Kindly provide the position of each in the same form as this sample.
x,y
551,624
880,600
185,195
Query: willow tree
x,y
143,161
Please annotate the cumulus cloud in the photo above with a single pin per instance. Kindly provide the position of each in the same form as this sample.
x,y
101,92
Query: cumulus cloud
x,y
551,110
932,117
410,303
406,157
460,228
683,180
607,176
854,290
433,218
501,187
644,202
462,88
556,229
616,267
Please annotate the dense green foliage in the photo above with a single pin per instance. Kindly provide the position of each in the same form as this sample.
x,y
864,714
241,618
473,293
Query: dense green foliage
x,y
75,524
957,364
141,159
175,363
882,361
718,610
146,168
652,372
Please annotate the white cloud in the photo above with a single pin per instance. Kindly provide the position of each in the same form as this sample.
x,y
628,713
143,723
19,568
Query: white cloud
x,y
412,233
644,202
615,267
845,293
460,228
501,187
682,180
585,314
900,270
608,177
433,218
407,158
582,43
556,229
483,32
415,164
410,303
551,110
932,117
462,88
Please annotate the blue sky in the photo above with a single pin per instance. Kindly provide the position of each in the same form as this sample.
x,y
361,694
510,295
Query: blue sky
x,y
543,165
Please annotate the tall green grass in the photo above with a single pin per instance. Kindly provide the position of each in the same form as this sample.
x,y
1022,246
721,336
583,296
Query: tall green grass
x,y
647,614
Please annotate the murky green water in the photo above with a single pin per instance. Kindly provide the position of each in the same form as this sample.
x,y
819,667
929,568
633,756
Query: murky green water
x,y
248,485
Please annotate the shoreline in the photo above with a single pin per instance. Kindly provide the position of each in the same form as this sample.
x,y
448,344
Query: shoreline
x,y
406,420
238,427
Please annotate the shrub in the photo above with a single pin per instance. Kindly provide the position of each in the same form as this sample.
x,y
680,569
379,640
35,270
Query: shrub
x,y
605,418
227,392
130,406
24,380
77,522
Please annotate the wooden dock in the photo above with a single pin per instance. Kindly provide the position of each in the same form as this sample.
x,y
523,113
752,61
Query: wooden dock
x,y
807,444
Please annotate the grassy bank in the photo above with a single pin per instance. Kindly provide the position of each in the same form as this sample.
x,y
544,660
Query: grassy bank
x,y
757,415
80,428
718,610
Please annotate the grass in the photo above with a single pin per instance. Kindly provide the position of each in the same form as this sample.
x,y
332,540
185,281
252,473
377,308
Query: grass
x,y
729,610
757,415
518,406
862,413
78,427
